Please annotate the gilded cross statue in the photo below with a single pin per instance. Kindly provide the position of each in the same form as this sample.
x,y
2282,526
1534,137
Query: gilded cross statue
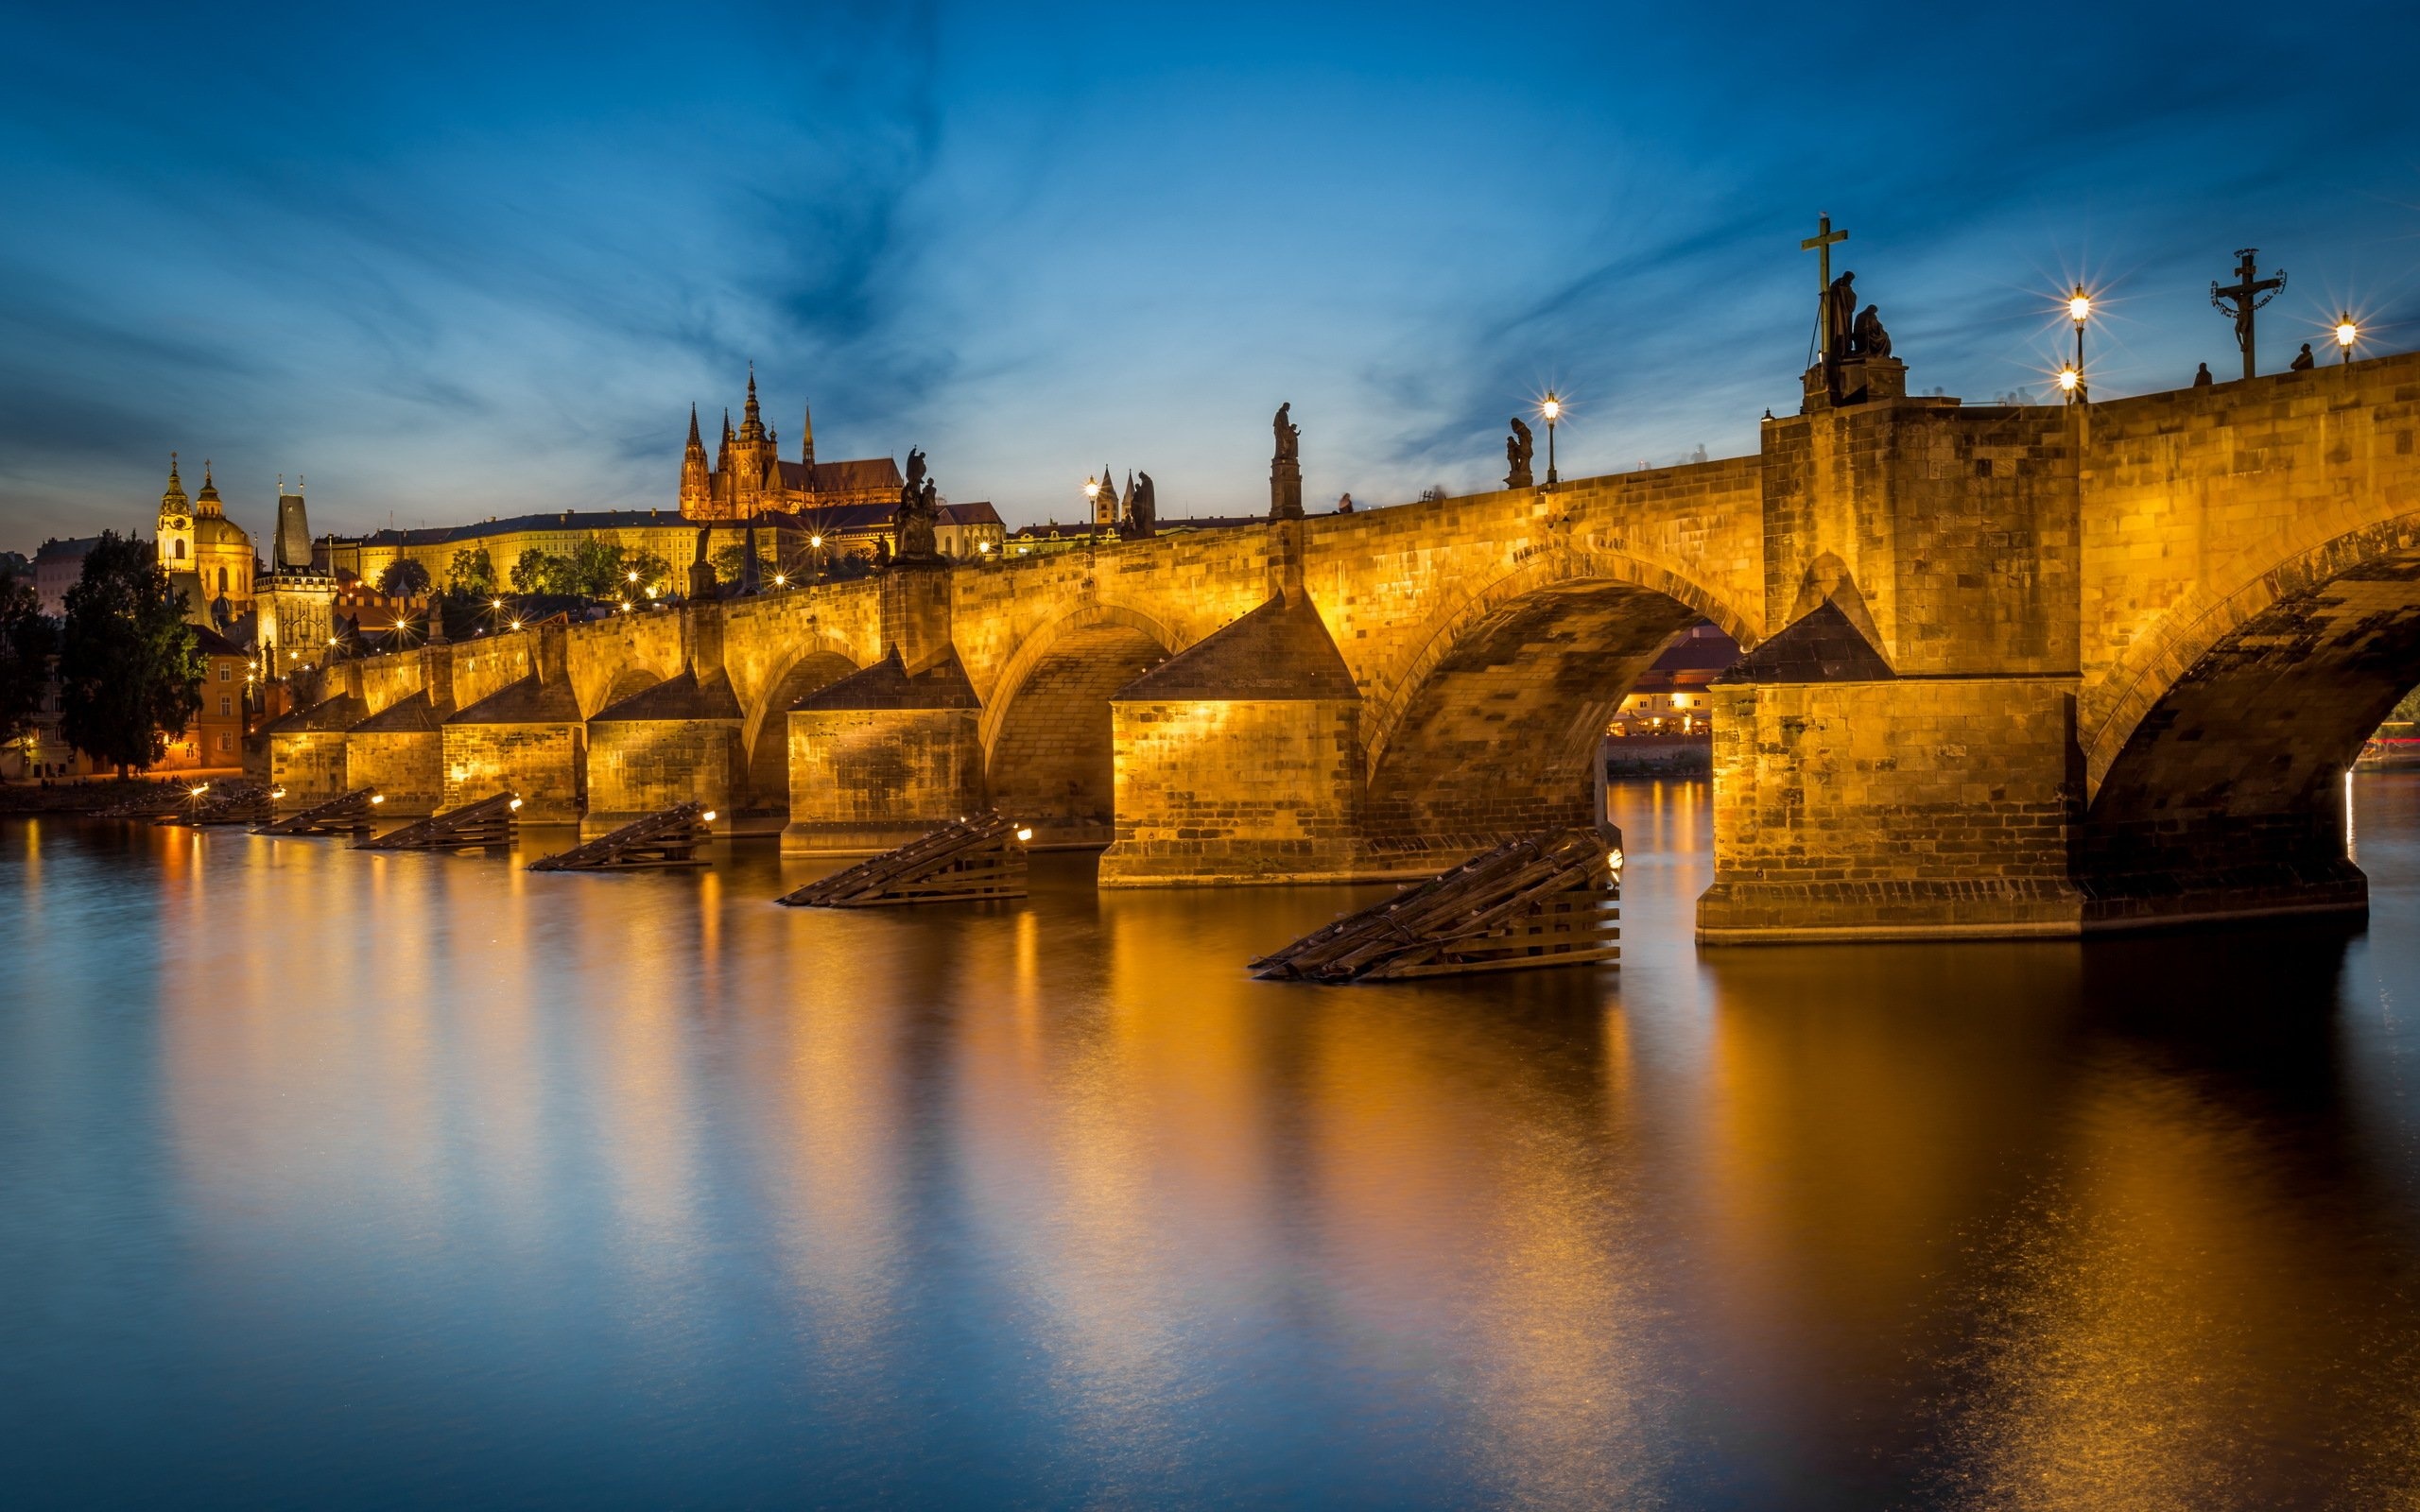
x,y
1821,244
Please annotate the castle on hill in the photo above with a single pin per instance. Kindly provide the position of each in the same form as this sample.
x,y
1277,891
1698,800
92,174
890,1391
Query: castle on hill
x,y
749,477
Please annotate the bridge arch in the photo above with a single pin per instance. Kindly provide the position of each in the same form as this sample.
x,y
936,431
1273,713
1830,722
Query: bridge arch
x,y
2216,770
765,733
1047,752
1494,725
627,682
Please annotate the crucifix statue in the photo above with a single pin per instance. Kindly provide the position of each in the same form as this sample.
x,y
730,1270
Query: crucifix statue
x,y
2249,293
1831,333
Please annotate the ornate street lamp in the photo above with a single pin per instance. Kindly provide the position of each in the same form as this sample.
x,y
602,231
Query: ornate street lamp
x,y
2079,310
1550,410
2347,332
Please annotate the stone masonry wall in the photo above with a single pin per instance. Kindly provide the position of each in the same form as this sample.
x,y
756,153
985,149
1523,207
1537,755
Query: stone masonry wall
x,y
1051,766
637,766
1897,808
309,765
1235,792
865,780
543,763
406,767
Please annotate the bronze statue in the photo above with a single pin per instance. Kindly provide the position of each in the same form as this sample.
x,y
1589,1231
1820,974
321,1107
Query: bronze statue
x,y
1289,436
1517,450
1142,508
2303,361
1842,295
2201,378
1869,340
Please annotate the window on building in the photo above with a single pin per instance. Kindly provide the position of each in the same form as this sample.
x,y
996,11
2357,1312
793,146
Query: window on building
x,y
226,672
181,551
226,741
226,706
222,579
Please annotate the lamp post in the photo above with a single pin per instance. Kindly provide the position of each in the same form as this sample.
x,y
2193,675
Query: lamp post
x,y
1550,410
2079,310
1092,506
2347,332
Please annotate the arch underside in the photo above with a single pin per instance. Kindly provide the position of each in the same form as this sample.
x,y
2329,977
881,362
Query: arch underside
x,y
1050,760
2229,794
1501,737
769,750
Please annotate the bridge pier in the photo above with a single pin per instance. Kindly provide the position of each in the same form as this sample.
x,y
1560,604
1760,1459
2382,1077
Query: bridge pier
x,y
883,756
526,738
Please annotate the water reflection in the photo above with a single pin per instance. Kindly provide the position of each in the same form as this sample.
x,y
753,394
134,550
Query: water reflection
x,y
330,1170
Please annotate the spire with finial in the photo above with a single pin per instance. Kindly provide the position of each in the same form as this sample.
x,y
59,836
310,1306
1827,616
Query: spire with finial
x,y
752,421
173,500
695,444
806,439
207,500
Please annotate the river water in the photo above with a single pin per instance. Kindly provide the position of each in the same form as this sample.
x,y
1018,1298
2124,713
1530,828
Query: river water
x,y
329,1178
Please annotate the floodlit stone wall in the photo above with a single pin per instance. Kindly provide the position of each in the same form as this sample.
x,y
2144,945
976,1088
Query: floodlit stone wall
x,y
865,780
1217,791
543,762
405,768
309,765
637,766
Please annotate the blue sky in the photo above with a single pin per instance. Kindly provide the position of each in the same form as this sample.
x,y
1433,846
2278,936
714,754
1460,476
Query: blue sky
x,y
457,261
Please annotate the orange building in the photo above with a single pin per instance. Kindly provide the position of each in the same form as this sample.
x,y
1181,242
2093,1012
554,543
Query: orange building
x,y
216,736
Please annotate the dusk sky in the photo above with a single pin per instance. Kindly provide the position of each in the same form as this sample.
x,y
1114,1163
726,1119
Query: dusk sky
x,y
460,261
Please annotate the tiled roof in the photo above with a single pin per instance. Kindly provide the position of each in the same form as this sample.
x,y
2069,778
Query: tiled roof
x,y
843,477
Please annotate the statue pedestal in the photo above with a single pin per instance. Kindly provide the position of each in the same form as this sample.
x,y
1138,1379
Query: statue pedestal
x,y
1860,379
1285,489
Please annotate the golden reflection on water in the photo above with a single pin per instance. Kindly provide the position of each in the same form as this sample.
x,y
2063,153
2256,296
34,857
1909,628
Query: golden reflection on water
x,y
2023,1225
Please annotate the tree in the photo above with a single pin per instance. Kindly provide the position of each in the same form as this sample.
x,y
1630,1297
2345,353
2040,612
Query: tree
x,y
27,638
540,571
403,578
596,569
471,574
129,667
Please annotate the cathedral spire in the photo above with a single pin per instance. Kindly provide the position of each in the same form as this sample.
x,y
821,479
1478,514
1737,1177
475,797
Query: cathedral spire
x,y
751,424
806,435
695,444
173,500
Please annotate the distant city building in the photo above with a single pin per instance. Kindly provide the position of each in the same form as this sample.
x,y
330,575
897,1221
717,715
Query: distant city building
x,y
216,736
57,564
294,599
207,555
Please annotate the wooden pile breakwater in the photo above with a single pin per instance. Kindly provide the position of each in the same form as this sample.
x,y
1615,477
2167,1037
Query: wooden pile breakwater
x,y
964,862
1543,899
490,823
667,839
346,814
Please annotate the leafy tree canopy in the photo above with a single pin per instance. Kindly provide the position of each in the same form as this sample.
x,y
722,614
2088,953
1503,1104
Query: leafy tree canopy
x,y
129,667
404,578
27,638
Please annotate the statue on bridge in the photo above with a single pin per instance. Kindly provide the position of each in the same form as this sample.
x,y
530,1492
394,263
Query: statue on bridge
x,y
1142,510
1517,449
1286,470
919,509
1868,339
1840,317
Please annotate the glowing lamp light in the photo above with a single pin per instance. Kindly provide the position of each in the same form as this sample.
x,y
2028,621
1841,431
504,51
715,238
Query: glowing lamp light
x,y
377,797
1024,834
781,579
1092,488
708,815
631,577
516,625
515,805
1615,861
496,603
2346,332
2068,378
2078,305
278,792
196,792
983,546
817,542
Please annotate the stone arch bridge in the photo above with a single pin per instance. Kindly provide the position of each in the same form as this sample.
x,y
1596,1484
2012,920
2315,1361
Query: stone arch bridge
x,y
2012,671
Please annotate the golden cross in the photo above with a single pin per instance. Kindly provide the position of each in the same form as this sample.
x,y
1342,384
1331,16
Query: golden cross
x,y
1821,244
